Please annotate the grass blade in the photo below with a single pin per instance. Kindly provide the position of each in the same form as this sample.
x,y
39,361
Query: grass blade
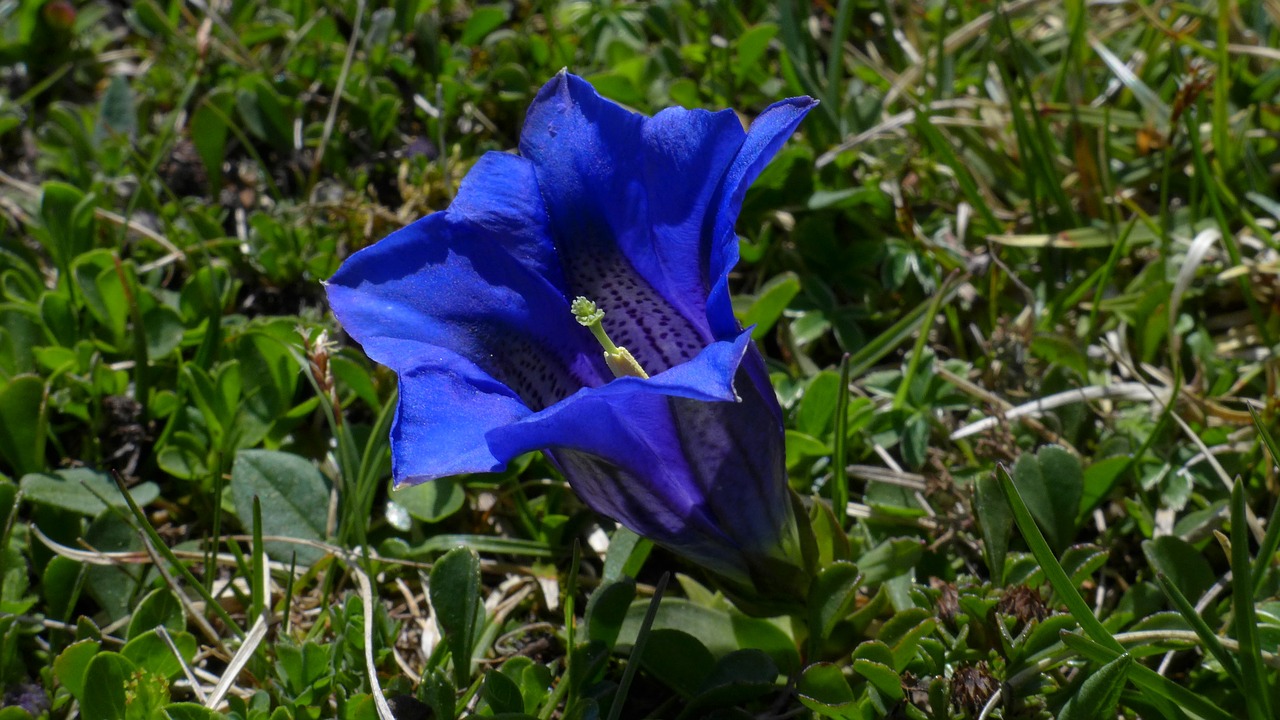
x,y
1207,637
1058,578
901,331
1271,539
1147,679
1257,694
637,650
839,475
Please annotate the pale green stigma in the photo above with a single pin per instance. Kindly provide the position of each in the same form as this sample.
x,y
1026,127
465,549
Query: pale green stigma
x,y
619,360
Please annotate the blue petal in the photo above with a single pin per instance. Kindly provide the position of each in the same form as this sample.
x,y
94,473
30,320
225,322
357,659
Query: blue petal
x,y
590,162
766,136
445,410
468,303
645,200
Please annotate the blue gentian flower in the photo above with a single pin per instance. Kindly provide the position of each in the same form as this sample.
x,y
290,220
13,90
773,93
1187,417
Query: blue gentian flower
x,y
474,308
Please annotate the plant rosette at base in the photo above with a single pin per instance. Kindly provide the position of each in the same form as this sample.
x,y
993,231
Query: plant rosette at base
x,y
609,230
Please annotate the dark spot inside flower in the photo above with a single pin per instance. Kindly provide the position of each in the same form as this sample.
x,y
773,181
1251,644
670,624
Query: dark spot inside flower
x,y
972,686
531,371
634,313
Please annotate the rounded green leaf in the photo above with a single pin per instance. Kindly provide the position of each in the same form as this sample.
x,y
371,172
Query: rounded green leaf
x,y
432,501
149,651
678,660
72,664
294,497
82,491
823,689
105,680
159,607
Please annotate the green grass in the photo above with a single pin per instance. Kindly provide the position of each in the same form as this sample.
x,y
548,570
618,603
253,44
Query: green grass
x,y
994,204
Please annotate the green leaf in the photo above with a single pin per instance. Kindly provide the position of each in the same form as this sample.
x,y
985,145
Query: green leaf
x,y
208,131
113,587
818,405
800,446
117,116
263,111
767,305
484,20
59,318
831,598
190,711
882,677
1099,478
737,678
432,501
533,679
626,555
502,693
1099,694
889,559
751,46
438,693
902,634
768,636
164,330
60,584
22,412
159,608
678,660
455,594
607,610
305,666
149,651
712,627
915,440
1207,637
82,491
823,689
72,664
105,680
293,494
67,214
1184,565
1051,483
99,287
996,521
1252,666
1147,679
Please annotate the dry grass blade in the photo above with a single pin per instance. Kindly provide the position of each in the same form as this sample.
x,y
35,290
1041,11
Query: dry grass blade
x,y
1036,408
367,599
1196,254
92,557
1145,96
196,687
872,473
332,117
252,639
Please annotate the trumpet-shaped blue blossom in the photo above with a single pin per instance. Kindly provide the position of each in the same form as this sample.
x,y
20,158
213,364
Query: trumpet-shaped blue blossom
x,y
472,309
